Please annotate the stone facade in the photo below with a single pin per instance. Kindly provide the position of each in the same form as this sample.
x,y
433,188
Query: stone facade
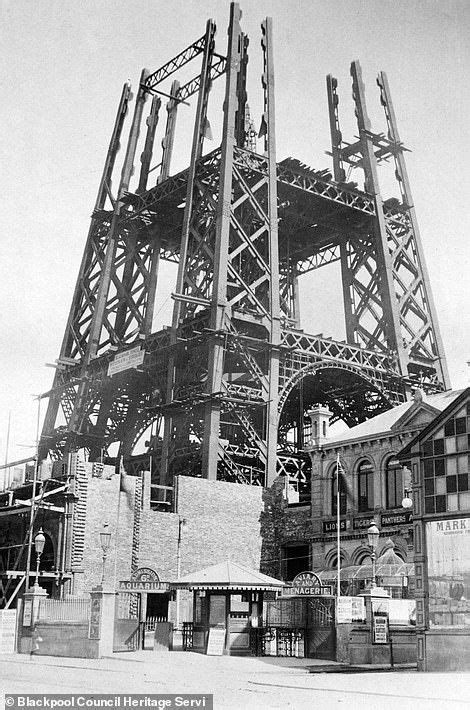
x,y
375,443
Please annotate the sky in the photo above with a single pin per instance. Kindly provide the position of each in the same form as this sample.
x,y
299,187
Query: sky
x,y
63,65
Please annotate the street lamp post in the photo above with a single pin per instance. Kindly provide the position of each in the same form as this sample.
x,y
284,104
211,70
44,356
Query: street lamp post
x,y
105,539
39,542
373,534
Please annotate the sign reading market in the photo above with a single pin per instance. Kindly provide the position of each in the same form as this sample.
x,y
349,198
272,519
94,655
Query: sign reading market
x,y
308,584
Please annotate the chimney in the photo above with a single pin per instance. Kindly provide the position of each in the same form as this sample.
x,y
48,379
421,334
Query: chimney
x,y
320,419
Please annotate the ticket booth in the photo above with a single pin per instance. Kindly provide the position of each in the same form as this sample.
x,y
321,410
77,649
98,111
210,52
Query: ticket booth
x,y
227,604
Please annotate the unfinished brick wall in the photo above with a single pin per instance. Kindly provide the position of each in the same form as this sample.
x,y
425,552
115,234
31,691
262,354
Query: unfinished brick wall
x,y
216,521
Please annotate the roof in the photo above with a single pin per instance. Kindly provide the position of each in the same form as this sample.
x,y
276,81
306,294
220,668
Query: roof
x,y
461,396
228,575
384,423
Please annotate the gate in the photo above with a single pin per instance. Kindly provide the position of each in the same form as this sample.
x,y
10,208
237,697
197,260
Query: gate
x,y
128,631
321,630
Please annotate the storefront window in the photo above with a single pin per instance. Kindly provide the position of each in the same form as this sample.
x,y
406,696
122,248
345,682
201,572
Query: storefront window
x,y
448,551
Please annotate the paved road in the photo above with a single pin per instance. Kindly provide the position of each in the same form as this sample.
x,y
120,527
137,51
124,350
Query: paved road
x,y
251,683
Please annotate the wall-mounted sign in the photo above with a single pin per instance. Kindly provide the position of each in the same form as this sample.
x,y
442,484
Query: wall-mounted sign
x,y
350,609
144,579
7,630
94,627
362,523
126,360
27,612
380,629
331,525
389,519
307,584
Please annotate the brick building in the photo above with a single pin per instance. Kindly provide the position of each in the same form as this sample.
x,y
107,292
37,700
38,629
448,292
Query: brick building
x,y
212,521
371,484
209,522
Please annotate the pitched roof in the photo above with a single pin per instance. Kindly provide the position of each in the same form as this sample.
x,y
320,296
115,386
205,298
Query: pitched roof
x,y
229,575
384,422
461,397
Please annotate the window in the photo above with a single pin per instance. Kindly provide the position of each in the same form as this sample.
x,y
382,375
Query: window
x,y
342,495
364,487
446,466
295,559
393,484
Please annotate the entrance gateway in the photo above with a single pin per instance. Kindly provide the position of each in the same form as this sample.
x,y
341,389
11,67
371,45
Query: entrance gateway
x,y
141,603
318,614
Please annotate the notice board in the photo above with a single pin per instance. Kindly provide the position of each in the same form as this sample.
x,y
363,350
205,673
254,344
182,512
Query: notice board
x,y
380,629
7,630
215,642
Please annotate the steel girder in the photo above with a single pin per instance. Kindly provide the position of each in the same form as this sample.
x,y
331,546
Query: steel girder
x,y
235,373
387,295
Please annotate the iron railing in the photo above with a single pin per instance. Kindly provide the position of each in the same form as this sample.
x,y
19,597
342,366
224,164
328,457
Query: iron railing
x,y
75,609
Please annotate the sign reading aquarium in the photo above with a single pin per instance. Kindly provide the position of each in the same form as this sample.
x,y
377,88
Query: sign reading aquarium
x,y
448,552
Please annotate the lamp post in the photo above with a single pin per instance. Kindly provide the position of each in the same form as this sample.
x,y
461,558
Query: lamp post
x,y
105,539
39,542
407,501
373,534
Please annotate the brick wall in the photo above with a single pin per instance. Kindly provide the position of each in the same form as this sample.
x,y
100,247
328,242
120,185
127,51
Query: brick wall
x,y
221,521
105,503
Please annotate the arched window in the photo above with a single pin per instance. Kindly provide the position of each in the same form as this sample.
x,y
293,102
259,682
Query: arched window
x,y
342,494
365,499
393,483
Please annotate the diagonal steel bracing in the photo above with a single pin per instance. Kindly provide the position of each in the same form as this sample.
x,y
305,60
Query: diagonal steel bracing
x,y
226,388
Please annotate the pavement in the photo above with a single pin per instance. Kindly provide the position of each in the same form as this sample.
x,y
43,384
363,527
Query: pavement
x,y
239,682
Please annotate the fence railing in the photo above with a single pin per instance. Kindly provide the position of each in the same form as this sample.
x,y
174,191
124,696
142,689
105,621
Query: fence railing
x,y
151,621
77,609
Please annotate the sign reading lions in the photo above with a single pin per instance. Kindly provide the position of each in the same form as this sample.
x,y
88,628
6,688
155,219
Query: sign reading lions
x,y
143,579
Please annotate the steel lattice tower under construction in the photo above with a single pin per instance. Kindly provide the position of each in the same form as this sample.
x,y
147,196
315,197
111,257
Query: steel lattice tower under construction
x,y
226,385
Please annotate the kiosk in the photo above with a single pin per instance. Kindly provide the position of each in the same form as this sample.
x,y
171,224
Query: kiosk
x,y
227,604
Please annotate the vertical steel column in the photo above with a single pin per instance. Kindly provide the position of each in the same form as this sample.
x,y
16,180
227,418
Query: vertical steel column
x,y
103,190
126,280
198,138
210,444
152,122
274,304
106,273
403,180
146,157
336,136
340,176
169,137
108,263
384,262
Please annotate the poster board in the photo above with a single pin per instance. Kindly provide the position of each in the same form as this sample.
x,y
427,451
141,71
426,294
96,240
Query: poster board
x,y
7,630
216,642
350,610
27,612
380,629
